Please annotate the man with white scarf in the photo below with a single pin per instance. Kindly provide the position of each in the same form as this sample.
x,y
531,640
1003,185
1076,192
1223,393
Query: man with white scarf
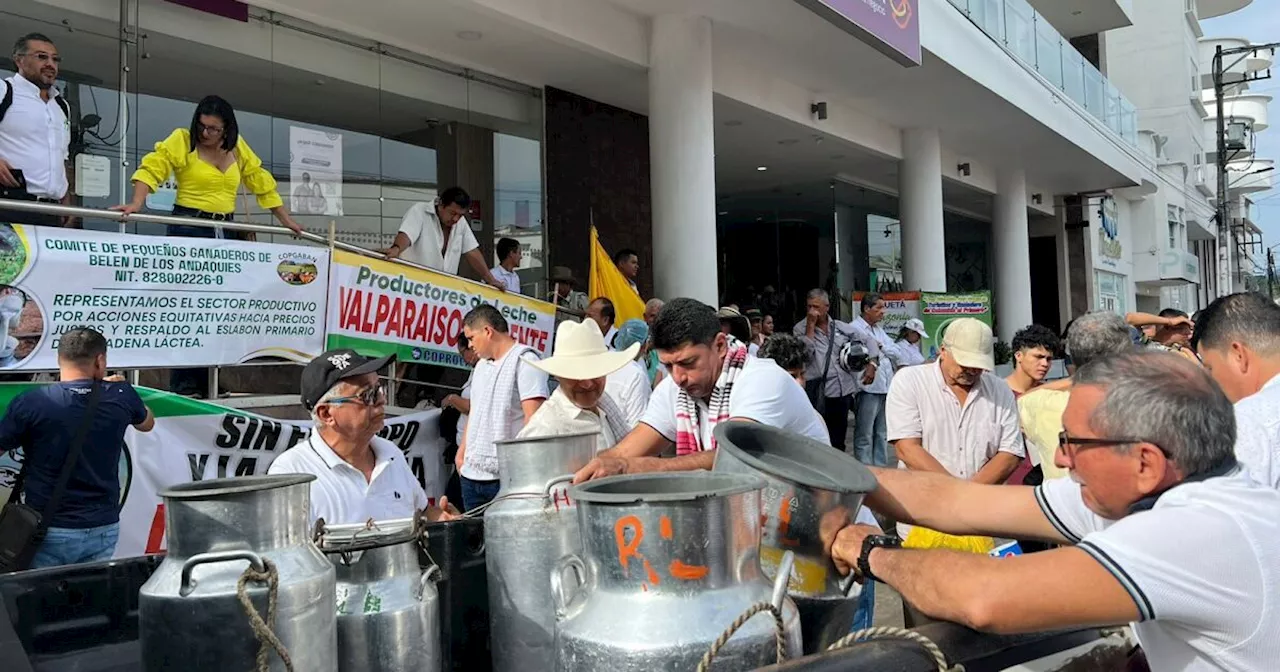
x,y
505,394
581,363
712,380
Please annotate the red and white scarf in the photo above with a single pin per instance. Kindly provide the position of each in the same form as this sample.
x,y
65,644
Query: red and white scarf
x,y
688,434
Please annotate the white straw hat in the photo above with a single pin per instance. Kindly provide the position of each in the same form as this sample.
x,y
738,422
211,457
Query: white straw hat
x,y
580,353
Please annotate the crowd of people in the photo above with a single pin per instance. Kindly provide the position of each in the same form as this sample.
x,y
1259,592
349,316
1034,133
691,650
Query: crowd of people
x,y
1143,487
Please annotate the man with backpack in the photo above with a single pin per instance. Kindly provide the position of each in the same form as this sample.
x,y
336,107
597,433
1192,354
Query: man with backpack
x,y
35,132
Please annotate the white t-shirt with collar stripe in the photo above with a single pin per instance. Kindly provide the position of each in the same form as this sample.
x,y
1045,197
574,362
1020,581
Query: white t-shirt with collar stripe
x,y
341,495
1202,566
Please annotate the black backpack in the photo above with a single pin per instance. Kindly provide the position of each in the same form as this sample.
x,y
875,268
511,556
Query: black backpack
x,y
7,102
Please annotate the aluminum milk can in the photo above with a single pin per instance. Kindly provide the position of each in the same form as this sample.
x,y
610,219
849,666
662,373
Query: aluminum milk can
x,y
808,485
531,524
387,606
669,561
189,616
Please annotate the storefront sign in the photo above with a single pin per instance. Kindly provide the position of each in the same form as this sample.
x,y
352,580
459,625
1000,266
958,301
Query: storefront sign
x,y
378,307
939,310
892,27
315,171
158,301
1109,249
195,440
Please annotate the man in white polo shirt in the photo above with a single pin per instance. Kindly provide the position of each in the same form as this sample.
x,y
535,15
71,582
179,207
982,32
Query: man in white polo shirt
x,y
952,416
1167,533
35,130
359,475
712,380
1238,336
437,235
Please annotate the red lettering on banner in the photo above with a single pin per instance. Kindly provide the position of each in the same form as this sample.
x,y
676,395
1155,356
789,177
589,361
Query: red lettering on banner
x,y
455,326
393,318
410,312
380,316
437,327
420,326
155,539
534,338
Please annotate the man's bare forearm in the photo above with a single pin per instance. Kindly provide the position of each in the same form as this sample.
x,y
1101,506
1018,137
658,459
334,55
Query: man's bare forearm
x,y
942,584
913,454
640,465
998,469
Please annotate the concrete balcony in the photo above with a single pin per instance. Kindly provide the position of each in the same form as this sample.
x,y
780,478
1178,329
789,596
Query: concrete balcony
x,y
1073,18
1250,176
1237,66
1251,107
1208,9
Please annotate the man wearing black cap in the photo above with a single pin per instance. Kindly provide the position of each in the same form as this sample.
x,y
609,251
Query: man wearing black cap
x,y
359,475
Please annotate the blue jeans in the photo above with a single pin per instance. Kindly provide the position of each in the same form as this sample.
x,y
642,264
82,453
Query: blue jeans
x,y
476,493
68,546
869,433
866,607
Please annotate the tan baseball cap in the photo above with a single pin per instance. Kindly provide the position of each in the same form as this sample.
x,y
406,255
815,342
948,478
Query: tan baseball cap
x,y
970,343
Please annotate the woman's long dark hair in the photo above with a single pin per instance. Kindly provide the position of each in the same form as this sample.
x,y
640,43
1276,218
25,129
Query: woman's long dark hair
x,y
215,106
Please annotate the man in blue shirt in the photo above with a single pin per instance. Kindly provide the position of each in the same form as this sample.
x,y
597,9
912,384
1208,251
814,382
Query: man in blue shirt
x,y
44,422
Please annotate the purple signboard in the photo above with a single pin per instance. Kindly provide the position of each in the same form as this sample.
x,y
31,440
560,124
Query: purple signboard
x,y
891,26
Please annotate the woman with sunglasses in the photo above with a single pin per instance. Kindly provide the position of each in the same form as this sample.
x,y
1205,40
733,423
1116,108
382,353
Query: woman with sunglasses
x,y
209,161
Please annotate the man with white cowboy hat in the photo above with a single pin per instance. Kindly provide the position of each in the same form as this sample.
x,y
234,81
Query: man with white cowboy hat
x,y
906,350
581,363
564,293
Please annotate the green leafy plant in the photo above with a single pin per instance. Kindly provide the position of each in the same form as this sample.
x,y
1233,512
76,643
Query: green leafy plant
x,y
1003,352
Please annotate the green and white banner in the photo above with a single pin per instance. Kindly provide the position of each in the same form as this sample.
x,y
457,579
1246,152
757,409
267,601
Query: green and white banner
x,y
195,440
159,301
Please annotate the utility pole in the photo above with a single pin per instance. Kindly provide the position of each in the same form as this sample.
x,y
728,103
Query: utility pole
x,y
1223,214
1271,273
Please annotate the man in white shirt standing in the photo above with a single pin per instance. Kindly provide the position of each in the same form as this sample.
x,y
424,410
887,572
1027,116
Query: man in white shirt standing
x,y
35,131
712,379
438,236
628,262
1162,528
606,316
359,475
505,394
1238,336
870,444
629,385
509,256
826,382
954,417
581,403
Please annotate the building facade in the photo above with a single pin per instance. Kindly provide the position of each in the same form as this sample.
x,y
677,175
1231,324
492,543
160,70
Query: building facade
x,y
746,148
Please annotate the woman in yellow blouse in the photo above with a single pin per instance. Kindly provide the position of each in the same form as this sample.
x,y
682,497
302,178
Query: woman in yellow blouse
x,y
209,162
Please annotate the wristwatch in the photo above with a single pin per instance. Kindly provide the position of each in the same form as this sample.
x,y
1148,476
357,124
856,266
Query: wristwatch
x,y
871,542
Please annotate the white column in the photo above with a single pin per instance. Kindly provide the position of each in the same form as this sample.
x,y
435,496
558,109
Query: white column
x,y
1013,255
682,169
924,259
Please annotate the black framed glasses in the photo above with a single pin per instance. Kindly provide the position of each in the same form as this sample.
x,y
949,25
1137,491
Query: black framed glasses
x,y
372,396
215,130
1064,441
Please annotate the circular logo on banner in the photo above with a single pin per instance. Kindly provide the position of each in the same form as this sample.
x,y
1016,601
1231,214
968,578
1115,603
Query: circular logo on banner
x,y
13,254
297,269
21,326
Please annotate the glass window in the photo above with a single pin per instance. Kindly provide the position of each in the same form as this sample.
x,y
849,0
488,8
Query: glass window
x,y
1110,291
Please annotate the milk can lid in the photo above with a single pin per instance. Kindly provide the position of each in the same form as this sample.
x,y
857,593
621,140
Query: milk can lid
x,y
793,457
660,487
221,487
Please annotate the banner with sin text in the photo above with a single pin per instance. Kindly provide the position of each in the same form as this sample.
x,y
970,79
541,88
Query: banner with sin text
x,y
377,307
195,440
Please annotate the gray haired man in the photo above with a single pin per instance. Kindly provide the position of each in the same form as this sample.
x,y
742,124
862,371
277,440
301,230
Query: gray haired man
x,y
1090,337
829,386
1164,530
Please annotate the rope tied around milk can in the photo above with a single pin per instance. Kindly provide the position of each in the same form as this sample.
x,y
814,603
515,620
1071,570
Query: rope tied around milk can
x,y
885,632
780,634
262,630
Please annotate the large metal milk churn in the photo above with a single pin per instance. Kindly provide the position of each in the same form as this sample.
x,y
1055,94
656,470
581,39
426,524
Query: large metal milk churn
x,y
531,524
388,607
219,531
669,562
808,485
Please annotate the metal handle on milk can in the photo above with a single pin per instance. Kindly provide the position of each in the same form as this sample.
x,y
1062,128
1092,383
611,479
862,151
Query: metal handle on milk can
x,y
551,485
430,575
188,584
557,582
782,579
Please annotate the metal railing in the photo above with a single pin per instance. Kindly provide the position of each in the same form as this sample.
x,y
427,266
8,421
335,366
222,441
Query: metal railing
x,y
1030,38
330,241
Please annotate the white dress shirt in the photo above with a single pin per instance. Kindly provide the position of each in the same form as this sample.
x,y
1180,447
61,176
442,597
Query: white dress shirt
x,y
34,137
1258,433
426,239
878,344
509,279
559,416
629,386
341,495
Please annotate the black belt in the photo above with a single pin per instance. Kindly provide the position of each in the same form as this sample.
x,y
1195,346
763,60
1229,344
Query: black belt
x,y
42,199
201,214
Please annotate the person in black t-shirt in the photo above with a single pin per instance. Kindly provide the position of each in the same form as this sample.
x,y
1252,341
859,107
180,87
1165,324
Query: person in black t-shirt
x,y
44,421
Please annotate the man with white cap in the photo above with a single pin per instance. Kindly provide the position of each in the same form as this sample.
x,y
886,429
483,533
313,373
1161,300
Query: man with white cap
x,y
953,417
581,363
